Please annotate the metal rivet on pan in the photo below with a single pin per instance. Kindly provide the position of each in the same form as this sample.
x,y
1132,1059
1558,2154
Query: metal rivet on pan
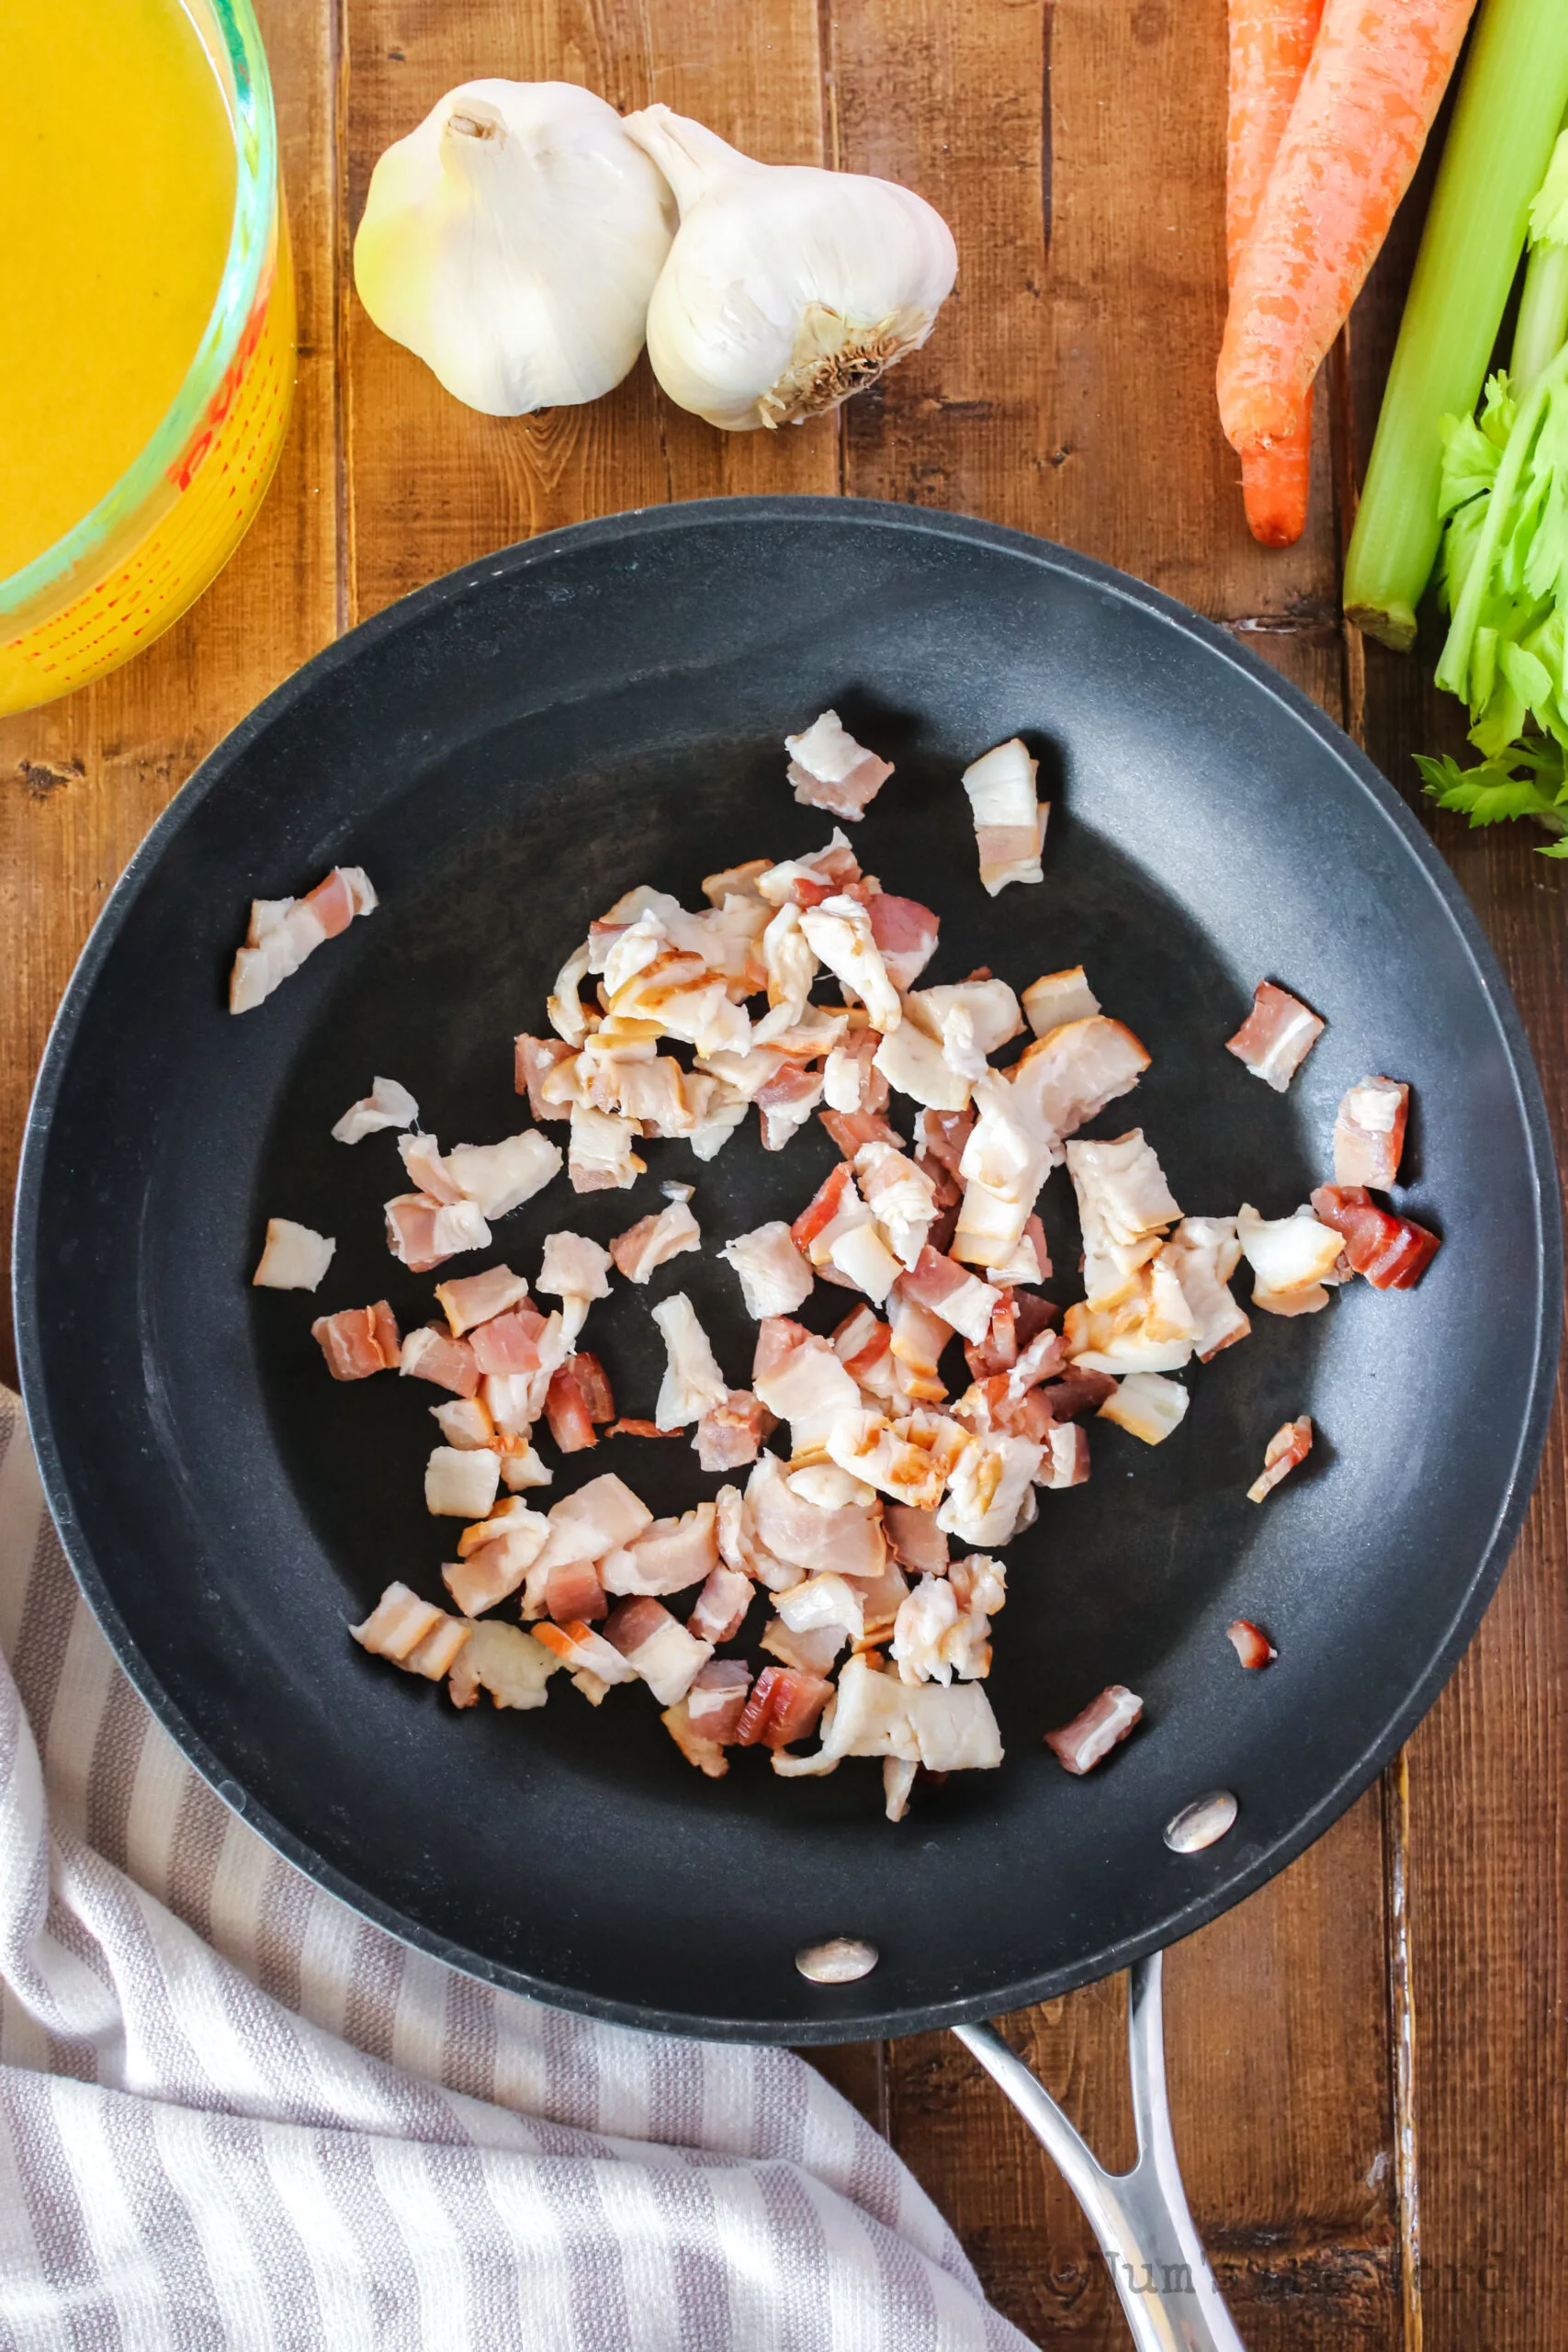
x,y
1202,1823
840,1960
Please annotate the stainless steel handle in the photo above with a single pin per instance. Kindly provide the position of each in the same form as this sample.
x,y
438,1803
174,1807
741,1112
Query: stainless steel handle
x,y
1152,2251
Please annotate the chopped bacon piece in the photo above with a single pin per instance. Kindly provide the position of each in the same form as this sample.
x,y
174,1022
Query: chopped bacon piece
x,y
852,1129
536,1057
413,1634
358,1341
864,1348
294,1256
717,1698
1369,1133
1034,1315
594,1382
997,1351
588,1653
807,881
721,1605
729,1434
572,1590
1277,1035
822,1207
1250,1643
1009,822
431,1353
1290,1445
941,1135
475,1298
918,1542
565,1409
830,770
1079,1393
1392,1251
1067,1456
784,1706
653,1241
424,1232
950,1291
787,1101
283,931
658,1646
1080,1745
508,1342
639,1428
906,935
919,1337
388,1104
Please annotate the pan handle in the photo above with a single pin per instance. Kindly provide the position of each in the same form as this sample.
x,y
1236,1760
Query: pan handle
x,y
1154,2253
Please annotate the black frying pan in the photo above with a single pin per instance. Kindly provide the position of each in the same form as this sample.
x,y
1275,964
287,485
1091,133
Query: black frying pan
x,y
507,751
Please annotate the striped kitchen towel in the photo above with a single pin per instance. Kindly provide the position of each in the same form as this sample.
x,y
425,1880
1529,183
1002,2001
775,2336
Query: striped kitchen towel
x,y
235,2114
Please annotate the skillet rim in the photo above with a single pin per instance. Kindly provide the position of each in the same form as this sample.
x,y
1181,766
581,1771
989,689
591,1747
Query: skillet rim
x,y
621,528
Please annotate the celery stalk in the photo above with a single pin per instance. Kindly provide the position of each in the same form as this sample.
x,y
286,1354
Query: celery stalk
x,y
1511,102
1542,325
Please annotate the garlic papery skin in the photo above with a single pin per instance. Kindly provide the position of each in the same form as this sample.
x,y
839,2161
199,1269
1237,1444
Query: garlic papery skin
x,y
513,241
787,288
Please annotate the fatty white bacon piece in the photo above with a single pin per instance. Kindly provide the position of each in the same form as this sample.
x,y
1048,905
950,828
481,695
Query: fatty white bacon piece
x,y
667,1555
464,1422
913,1062
815,1651
1368,1133
533,1061
388,1104
1056,998
1203,1253
790,963
950,1291
910,1458
294,1258
874,1714
358,1341
1124,1206
846,1540
599,1156
460,1483
564,1008
942,1628
838,932
1287,1449
906,933
505,1661
688,1002
1148,1405
800,1379
970,1020
1292,1260
1277,1035
1066,1456
1069,1075
1080,1746
807,881
602,1516
824,1603
692,1382
1147,1326
736,881
576,1272
716,1112
988,1491
423,1164
720,1608
830,770
658,1646
729,1434
283,931
1010,821
774,1277
494,1555
654,1240
785,1103
422,1232
520,1467
900,1197
1030,1262
413,1634
1007,1155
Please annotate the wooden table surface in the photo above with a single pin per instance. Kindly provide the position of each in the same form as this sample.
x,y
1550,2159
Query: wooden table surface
x,y
1368,2059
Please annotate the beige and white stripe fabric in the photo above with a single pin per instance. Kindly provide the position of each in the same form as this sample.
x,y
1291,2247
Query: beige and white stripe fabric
x,y
235,2114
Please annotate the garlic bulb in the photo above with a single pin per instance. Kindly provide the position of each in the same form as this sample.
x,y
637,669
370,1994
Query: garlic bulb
x,y
512,241
787,288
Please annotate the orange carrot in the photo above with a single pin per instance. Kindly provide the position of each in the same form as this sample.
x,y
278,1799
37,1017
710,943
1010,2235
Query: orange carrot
x,y
1377,71
1271,42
